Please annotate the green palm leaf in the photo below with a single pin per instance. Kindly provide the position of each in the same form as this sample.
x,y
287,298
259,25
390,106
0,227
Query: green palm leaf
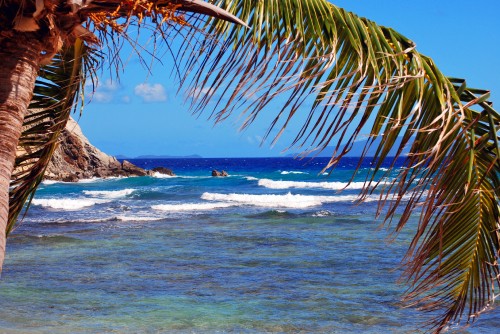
x,y
362,77
59,83
359,77
55,96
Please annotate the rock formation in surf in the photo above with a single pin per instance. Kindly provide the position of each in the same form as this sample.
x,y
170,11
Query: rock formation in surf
x,y
76,158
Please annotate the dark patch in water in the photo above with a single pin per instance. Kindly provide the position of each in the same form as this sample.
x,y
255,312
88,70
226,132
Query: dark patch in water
x,y
50,238
272,214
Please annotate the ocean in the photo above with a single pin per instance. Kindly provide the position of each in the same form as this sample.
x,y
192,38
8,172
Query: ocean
x,y
276,247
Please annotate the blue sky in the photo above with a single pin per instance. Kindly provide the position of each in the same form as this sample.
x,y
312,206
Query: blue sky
x,y
144,114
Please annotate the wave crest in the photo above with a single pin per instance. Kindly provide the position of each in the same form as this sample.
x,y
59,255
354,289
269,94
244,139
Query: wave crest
x,y
272,184
68,204
162,176
109,193
191,207
285,172
277,201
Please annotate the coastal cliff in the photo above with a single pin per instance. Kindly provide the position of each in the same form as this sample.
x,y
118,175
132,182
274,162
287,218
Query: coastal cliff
x,y
76,158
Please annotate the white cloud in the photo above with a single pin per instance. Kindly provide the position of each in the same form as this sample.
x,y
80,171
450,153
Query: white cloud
x,y
102,97
104,92
151,92
108,85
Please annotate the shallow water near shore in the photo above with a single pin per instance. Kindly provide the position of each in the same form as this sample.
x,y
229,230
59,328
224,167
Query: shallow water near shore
x,y
274,247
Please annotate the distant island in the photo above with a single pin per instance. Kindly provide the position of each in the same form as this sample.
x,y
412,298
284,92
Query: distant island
x,y
152,156
357,150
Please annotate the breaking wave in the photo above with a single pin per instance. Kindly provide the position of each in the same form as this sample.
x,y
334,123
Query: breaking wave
x,y
271,184
49,182
66,203
162,176
136,218
181,207
278,201
109,193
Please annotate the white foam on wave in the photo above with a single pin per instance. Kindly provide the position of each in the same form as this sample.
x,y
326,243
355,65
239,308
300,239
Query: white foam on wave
x,y
322,213
278,201
92,180
194,177
66,203
272,184
49,182
137,218
109,193
381,169
285,172
251,178
181,207
162,176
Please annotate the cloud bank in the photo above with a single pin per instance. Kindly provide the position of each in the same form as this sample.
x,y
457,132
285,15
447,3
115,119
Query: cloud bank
x,y
151,92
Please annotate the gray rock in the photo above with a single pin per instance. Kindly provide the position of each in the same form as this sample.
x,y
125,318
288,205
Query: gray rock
x,y
133,170
76,158
163,170
216,173
70,178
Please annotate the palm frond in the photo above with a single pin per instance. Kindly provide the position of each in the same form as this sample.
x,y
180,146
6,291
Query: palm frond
x,y
453,259
56,90
55,96
362,77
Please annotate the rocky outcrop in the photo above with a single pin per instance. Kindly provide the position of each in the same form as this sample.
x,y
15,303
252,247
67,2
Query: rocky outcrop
x,y
221,173
163,170
76,159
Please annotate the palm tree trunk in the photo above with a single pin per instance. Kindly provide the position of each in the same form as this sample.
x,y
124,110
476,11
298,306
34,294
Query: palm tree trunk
x,y
19,57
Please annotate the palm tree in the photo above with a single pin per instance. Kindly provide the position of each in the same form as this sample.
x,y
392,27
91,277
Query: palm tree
x,y
34,33
358,74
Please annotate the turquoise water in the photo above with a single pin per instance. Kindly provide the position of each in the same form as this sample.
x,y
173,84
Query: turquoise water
x,y
272,248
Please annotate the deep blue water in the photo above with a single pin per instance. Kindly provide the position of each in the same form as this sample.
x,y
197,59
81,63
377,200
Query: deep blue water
x,y
274,247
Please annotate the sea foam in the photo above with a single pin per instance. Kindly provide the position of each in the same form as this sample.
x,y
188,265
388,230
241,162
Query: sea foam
x,y
49,182
66,203
191,206
91,180
272,184
137,218
162,176
277,201
109,193
285,172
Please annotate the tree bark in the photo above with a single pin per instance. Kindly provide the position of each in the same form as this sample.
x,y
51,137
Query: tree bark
x,y
19,56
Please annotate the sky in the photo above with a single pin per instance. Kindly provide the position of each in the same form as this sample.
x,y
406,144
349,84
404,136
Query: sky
x,y
143,114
